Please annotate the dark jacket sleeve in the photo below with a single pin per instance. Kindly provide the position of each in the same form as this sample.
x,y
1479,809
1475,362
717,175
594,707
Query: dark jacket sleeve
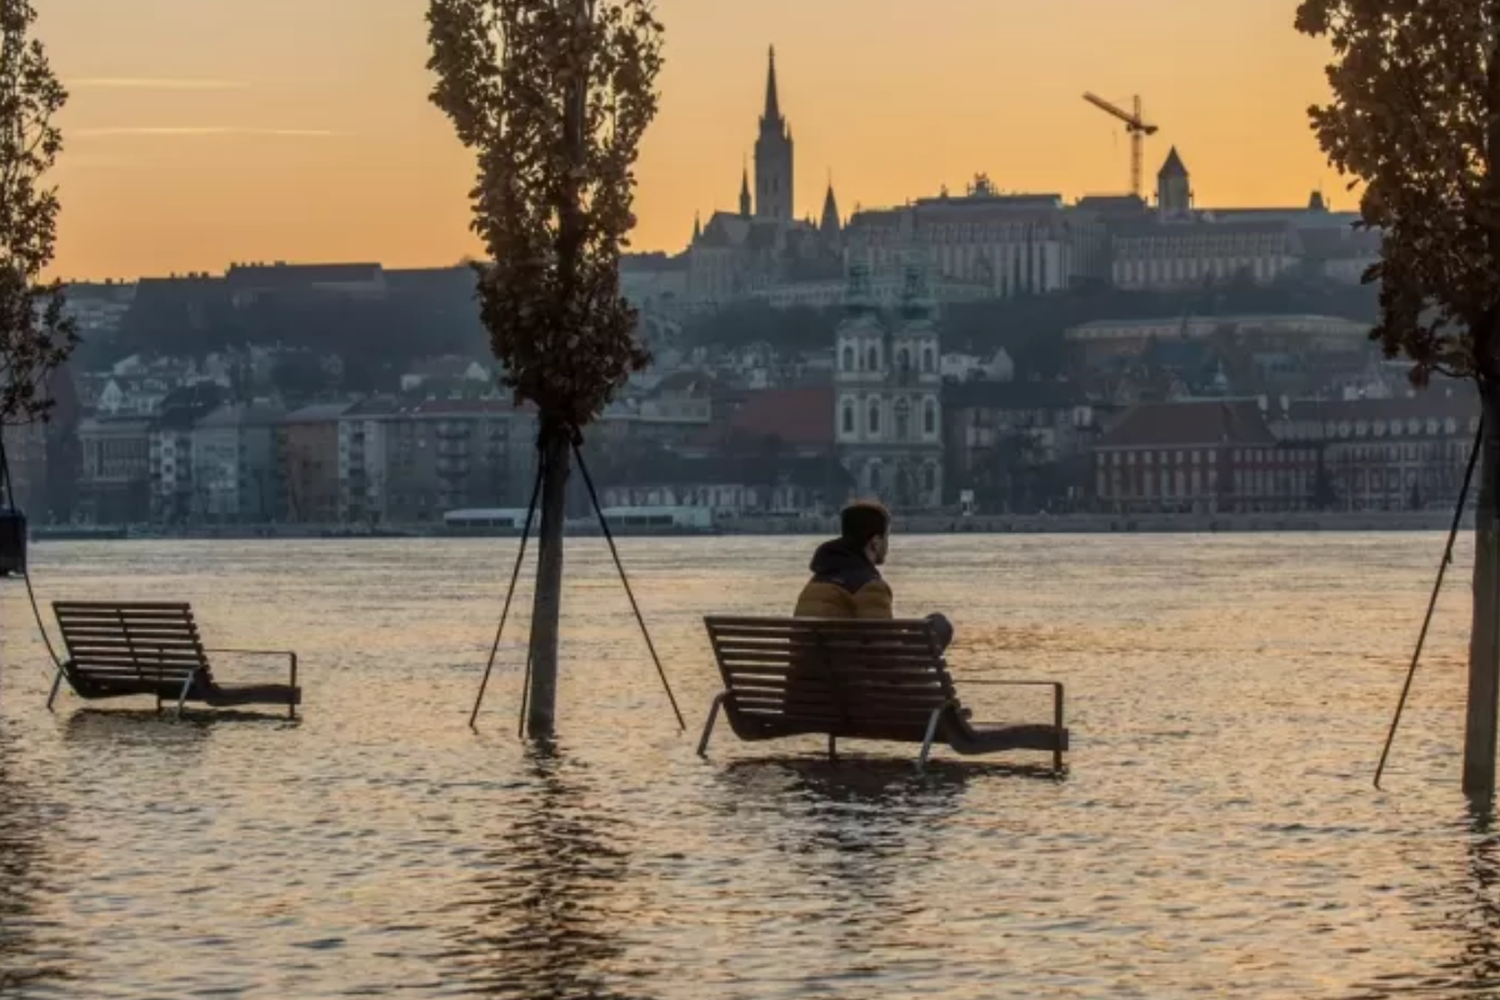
x,y
874,600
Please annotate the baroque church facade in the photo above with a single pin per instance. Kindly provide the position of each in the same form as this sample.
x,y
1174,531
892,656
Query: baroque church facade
x,y
888,386
763,244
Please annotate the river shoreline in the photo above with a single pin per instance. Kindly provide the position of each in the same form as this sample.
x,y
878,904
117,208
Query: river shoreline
x,y
920,524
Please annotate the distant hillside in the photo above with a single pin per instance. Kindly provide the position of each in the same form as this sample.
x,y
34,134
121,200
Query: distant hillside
x,y
1030,328
420,314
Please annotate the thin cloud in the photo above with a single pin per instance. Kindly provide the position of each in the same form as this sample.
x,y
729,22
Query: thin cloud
x,y
206,130
151,83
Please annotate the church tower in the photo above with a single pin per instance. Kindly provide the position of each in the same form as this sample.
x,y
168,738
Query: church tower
x,y
1174,189
774,191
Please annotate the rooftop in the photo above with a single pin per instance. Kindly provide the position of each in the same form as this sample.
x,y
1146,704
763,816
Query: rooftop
x,y
1194,424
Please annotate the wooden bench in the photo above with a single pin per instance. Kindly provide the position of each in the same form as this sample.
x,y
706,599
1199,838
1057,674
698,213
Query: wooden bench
x,y
870,680
121,649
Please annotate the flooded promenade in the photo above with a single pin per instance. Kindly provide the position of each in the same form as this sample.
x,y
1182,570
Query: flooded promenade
x,y
1217,833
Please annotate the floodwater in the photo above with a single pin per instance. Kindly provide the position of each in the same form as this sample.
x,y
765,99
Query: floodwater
x,y
1217,833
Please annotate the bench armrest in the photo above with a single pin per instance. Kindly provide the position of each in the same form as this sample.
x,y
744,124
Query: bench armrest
x,y
1056,686
289,654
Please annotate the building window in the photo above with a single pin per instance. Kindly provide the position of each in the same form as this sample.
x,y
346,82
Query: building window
x,y
874,423
848,359
927,361
903,419
848,418
929,418
873,359
929,478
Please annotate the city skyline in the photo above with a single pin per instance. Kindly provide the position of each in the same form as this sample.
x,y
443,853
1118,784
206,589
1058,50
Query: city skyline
x,y
222,136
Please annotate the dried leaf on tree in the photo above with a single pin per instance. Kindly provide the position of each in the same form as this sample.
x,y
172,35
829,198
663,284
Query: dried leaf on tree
x,y
1416,95
35,334
553,206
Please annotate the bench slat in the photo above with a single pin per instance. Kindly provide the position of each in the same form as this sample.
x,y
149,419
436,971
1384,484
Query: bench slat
x,y
100,615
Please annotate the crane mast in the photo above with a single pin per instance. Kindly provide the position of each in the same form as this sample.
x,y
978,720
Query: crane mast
x,y
1137,127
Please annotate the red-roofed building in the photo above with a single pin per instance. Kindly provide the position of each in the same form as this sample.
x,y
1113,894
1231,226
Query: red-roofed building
x,y
798,421
1198,456
1209,456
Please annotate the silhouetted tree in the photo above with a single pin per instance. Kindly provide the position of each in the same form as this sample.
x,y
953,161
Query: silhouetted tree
x,y
35,335
554,97
1415,117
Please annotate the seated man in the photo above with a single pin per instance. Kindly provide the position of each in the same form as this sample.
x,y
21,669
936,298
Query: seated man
x,y
846,582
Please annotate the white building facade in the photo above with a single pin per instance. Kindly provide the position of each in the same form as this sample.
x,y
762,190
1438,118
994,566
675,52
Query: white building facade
x,y
888,395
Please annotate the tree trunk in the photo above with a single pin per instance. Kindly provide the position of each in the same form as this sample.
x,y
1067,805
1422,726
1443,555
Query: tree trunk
x,y
1484,638
547,604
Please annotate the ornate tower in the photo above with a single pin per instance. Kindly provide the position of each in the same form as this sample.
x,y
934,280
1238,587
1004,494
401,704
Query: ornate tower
x,y
1174,189
745,194
888,389
774,177
831,226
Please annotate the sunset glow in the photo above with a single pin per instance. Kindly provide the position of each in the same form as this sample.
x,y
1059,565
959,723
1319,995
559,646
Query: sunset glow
x,y
203,132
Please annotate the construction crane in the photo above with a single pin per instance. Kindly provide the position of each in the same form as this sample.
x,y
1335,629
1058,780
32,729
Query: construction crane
x,y
1138,128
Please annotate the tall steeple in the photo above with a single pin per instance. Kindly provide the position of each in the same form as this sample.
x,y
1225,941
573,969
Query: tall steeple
x,y
697,227
831,224
772,113
774,159
745,206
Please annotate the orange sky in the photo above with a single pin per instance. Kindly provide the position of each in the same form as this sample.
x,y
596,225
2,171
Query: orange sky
x,y
203,132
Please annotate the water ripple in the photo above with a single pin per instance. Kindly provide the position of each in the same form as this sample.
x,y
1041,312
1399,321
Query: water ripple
x,y
1217,833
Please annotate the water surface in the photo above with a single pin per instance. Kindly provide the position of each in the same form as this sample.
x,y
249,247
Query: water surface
x,y
1217,832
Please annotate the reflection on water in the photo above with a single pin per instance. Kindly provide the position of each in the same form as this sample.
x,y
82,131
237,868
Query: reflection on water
x,y
29,956
1216,835
538,922
1465,908
1480,962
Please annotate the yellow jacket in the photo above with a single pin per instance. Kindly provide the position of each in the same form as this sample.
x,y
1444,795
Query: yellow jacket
x,y
844,584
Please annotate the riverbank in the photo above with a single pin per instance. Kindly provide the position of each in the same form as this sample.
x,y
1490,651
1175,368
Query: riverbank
x,y
920,524
1037,524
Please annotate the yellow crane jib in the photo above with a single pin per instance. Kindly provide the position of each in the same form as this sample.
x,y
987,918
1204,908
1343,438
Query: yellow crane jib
x,y
1136,126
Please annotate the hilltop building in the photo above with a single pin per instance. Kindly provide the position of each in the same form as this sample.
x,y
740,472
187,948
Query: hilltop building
x,y
763,245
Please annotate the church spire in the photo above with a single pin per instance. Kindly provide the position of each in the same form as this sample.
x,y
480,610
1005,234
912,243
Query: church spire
x,y
831,222
697,227
745,204
773,99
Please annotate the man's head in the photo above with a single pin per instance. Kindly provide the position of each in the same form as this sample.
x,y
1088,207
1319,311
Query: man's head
x,y
866,526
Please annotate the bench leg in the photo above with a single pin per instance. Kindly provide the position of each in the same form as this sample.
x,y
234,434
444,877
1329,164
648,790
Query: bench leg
x,y
932,724
708,728
291,709
182,698
1057,721
56,686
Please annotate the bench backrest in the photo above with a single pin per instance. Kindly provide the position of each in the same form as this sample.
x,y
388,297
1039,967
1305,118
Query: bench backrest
x,y
863,678
125,643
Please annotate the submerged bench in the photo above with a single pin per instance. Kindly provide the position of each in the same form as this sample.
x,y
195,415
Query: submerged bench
x,y
862,679
140,649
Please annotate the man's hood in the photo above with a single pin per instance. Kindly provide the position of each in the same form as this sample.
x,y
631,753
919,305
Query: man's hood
x,y
840,559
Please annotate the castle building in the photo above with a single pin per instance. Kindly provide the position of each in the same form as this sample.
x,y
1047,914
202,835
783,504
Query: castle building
x,y
888,391
762,246
1000,245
